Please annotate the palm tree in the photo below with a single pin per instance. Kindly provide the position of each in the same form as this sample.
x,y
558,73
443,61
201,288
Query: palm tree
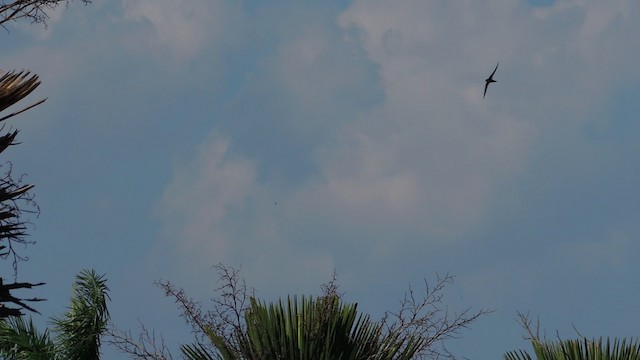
x,y
78,331
580,349
308,329
80,328
239,327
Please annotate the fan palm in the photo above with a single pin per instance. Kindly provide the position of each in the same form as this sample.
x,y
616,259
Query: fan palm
x,y
581,349
320,329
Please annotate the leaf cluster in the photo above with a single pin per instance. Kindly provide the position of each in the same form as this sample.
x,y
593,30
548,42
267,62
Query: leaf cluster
x,y
77,332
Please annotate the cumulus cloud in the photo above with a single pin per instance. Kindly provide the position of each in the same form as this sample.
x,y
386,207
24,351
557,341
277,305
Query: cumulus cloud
x,y
181,30
202,194
214,211
425,161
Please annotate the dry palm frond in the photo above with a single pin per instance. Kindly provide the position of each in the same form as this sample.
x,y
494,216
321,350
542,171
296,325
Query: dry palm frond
x,y
14,86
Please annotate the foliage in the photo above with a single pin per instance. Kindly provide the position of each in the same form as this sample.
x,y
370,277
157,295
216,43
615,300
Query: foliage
x,y
326,329
572,349
239,326
309,329
20,339
80,328
15,199
580,349
78,331
13,194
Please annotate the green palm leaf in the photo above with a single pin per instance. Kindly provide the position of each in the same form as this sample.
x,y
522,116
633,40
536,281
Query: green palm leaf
x,y
21,340
79,330
581,349
321,329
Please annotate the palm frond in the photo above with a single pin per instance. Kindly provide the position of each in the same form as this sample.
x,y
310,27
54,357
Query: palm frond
x,y
21,340
79,329
198,352
319,329
581,349
14,86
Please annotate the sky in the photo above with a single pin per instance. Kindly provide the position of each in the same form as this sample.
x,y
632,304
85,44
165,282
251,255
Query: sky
x,y
291,139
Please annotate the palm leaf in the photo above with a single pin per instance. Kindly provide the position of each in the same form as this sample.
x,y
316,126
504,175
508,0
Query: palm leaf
x,y
79,329
197,352
21,340
318,329
16,86
321,329
580,349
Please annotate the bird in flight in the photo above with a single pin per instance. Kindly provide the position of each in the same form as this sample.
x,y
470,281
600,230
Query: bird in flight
x,y
489,81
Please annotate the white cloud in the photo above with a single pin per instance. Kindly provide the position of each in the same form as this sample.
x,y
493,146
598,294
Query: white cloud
x,y
214,210
426,162
202,193
182,29
433,123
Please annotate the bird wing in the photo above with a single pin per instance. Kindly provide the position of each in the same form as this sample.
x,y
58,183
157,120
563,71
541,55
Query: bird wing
x,y
485,89
494,71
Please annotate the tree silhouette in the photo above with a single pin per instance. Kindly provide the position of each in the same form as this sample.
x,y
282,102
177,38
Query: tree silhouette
x,y
15,198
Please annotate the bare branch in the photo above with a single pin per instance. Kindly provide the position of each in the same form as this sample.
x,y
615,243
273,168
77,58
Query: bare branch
x,y
35,11
532,329
428,318
330,288
146,347
421,316
191,310
227,317
15,201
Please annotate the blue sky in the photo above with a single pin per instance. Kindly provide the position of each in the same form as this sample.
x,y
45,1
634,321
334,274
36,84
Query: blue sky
x,y
172,127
